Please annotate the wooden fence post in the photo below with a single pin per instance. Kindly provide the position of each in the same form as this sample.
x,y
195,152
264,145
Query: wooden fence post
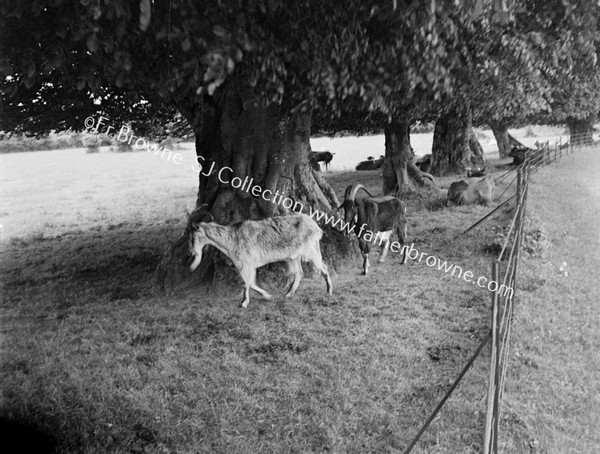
x,y
519,184
497,374
560,147
492,411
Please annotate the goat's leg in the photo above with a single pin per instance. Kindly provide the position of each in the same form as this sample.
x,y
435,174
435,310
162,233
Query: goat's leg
x,y
317,260
366,263
385,238
402,238
246,276
290,274
249,277
295,267
325,273
246,299
256,288
365,248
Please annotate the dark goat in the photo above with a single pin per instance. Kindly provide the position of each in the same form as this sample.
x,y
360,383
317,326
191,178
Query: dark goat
x,y
315,157
424,163
371,163
518,153
477,172
375,217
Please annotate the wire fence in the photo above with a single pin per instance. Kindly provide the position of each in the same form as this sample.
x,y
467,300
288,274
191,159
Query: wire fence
x,y
504,269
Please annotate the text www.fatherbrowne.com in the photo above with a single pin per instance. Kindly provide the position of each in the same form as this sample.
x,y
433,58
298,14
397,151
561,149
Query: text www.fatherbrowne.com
x,y
225,176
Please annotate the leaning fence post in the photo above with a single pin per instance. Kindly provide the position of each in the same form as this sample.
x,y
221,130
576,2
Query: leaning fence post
x,y
496,368
448,393
519,184
560,147
489,437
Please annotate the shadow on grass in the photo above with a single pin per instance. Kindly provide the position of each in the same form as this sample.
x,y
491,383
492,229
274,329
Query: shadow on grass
x,y
116,263
27,436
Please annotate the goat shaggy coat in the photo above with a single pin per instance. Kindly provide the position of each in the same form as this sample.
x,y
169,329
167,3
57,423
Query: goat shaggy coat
x,y
252,244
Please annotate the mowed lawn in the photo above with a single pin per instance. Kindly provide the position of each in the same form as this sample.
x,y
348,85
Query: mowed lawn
x,y
93,360
553,386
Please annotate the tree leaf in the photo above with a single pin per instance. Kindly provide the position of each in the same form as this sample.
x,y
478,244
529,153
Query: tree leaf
x,y
30,69
92,43
145,14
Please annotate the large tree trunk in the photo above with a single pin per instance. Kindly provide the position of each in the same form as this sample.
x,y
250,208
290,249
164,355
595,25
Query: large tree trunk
x,y
455,146
261,145
477,153
506,142
500,131
246,154
400,175
581,131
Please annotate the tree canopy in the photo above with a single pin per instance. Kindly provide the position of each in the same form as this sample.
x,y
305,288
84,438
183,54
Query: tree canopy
x,y
141,59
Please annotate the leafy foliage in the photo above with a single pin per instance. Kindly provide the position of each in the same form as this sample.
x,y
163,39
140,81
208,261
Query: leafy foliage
x,y
538,67
138,60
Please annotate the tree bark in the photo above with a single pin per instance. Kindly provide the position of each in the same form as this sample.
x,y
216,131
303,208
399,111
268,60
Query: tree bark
x,y
400,175
514,143
500,131
455,146
477,153
246,154
581,131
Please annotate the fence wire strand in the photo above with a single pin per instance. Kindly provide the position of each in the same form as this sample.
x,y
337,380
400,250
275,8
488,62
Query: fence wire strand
x,y
504,307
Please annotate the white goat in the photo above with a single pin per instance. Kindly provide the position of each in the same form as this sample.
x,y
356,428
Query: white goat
x,y
252,244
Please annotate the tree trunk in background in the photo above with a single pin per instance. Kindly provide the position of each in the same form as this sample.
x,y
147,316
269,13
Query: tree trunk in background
x,y
581,130
500,131
455,146
263,147
400,175
477,153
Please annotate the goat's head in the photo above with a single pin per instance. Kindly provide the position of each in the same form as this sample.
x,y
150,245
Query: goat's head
x,y
349,204
197,238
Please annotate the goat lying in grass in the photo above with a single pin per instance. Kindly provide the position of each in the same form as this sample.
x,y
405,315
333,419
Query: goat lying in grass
x,y
252,244
472,190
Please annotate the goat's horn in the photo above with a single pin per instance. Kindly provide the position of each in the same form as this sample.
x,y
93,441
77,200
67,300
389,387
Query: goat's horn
x,y
354,190
200,214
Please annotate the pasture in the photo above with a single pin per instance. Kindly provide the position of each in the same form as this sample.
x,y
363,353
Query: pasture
x,y
93,360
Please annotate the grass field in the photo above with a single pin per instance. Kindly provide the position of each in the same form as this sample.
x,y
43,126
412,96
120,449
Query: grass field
x,y
94,361
553,389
